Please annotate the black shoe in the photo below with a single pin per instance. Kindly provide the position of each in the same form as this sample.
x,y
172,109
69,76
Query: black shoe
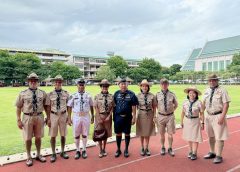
x,y
126,154
142,152
170,152
53,158
147,152
64,155
189,155
218,160
163,151
193,157
210,155
84,154
78,155
118,153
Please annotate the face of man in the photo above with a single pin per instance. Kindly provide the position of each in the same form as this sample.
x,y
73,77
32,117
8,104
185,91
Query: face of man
x,y
123,86
144,88
81,87
213,82
104,88
58,84
33,83
164,86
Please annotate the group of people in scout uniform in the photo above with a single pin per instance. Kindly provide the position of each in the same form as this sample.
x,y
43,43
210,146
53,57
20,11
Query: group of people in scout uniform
x,y
150,113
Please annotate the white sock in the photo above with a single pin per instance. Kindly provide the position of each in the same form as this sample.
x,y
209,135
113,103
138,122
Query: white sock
x,y
77,141
84,141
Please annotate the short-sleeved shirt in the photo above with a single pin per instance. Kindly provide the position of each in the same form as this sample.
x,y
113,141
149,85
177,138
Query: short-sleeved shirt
x,y
52,100
220,97
171,102
149,103
80,102
196,108
25,100
104,102
124,102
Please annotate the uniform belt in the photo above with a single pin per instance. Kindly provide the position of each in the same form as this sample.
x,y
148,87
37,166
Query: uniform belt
x,y
215,113
32,114
146,110
63,112
123,115
190,117
165,114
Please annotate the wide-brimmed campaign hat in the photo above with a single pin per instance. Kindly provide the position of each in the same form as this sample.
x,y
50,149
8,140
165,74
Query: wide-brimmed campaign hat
x,y
32,76
144,82
104,82
81,81
213,77
192,88
58,78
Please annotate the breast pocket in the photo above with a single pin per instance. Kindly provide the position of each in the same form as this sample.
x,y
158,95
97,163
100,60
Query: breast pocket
x,y
27,99
53,101
217,99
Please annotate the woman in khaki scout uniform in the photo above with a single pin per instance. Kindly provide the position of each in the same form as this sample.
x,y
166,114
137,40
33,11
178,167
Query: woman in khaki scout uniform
x,y
145,126
216,102
32,102
192,121
103,103
166,104
57,116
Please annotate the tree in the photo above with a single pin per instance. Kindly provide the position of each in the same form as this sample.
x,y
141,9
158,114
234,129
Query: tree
x,y
152,67
138,74
174,69
104,72
118,65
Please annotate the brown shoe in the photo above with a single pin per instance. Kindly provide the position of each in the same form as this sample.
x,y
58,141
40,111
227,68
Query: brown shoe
x,y
29,162
40,158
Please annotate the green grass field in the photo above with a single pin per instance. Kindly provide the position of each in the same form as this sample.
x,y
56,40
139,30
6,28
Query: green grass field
x,y
11,138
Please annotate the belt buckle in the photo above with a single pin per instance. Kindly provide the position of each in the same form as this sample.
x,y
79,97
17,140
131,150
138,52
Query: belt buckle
x,y
123,115
81,113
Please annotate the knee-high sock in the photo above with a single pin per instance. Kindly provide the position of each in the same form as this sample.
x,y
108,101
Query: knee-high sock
x,y
84,141
77,141
212,144
170,141
219,147
127,141
119,139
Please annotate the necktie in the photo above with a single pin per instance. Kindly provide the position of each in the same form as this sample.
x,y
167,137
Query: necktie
x,y
81,102
58,100
105,102
145,101
34,101
165,100
190,106
211,96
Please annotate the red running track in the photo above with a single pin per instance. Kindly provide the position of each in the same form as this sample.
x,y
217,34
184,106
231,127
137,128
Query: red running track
x,y
155,162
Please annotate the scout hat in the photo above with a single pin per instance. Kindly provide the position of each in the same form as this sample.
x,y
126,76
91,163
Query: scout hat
x,y
192,88
122,80
145,82
104,82
164,80
33,76
213,77
81,81
58,78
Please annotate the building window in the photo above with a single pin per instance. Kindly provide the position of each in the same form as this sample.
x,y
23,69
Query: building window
x,y
215,66
228,62
204,66
221,65
209,66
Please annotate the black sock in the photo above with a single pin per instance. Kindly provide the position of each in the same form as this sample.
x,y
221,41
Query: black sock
x,y
119,139
127,141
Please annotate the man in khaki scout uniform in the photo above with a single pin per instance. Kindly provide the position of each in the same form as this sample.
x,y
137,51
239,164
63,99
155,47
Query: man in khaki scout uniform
x,y
57,116
166,105
32,102
216,102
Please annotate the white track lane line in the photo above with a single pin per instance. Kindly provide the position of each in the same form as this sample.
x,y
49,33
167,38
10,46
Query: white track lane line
x,y
158,154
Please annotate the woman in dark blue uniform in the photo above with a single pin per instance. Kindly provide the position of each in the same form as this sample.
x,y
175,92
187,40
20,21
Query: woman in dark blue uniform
x,y
124,115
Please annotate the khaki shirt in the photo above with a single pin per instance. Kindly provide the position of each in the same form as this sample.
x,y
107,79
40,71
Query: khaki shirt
x,y
220,97
196,108
99,102
52,100
171,102
24,100
151,101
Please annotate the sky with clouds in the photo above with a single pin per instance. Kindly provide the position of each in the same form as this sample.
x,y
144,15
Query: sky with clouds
x,y
166,30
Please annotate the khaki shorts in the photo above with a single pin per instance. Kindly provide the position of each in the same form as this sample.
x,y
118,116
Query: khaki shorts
x,y
33,126
166,122
213,129
58,121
